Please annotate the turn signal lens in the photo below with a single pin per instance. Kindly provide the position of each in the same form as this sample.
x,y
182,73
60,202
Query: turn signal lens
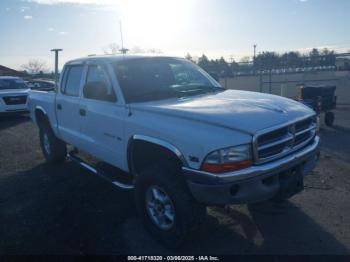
x,y
222,168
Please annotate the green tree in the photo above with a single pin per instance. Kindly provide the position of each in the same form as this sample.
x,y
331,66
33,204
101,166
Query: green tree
x,y
204,62
328,57
268,60
224,67
291,59
314,57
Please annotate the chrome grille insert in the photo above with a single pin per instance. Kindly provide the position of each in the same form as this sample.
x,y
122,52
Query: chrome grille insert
x,y
279,141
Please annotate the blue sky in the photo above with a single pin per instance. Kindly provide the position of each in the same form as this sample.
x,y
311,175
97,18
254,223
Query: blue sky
x,y
30,28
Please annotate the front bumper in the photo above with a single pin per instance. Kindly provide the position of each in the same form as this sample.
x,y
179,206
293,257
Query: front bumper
x,y
8,109
256,183
13,112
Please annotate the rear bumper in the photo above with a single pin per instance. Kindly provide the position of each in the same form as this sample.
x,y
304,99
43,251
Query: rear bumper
x,y
254,184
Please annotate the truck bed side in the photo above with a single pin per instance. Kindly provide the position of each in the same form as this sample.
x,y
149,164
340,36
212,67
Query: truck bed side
x,y
45,102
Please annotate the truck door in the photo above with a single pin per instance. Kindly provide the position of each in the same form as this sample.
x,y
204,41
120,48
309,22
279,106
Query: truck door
x,y
102,129
67,104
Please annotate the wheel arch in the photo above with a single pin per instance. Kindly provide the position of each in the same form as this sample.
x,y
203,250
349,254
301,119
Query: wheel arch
x,y
41,117
152,149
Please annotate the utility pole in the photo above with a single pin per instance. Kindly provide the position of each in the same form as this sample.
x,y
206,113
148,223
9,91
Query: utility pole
x,y
254,53
254,56
56,65
123,50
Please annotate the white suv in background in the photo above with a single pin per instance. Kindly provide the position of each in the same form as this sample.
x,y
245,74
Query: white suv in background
x,y
13,95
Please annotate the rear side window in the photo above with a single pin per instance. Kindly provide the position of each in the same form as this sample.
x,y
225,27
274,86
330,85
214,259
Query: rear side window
x,y
72,80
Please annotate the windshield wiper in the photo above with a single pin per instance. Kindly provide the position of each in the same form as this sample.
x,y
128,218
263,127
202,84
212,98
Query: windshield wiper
x,y
156,94
201,90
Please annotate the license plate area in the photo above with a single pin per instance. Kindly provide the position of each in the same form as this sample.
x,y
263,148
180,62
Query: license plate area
x,y
291,182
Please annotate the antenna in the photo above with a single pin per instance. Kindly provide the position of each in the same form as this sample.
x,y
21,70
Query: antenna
x,y
123,50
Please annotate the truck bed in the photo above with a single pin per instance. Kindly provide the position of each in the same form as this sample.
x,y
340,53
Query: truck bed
x,y
45,100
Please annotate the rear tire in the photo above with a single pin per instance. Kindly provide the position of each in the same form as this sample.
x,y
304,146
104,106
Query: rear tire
x,y
329,118
164,181
54,149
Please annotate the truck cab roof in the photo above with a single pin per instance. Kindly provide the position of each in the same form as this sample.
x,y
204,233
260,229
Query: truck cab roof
x,y
111,58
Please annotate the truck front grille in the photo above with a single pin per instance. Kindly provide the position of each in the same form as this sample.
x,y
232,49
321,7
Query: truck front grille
x,y
15,100
278,142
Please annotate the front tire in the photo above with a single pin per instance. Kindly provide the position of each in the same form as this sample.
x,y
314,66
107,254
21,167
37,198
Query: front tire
x,y
165,205
54,149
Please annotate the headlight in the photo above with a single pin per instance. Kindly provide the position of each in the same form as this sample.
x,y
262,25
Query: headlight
x,y
228,159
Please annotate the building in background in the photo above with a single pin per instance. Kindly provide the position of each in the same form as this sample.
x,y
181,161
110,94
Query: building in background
x,y
342,63
5,71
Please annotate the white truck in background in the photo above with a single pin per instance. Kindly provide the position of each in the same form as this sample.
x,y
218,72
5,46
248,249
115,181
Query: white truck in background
x,y
13,95
183,141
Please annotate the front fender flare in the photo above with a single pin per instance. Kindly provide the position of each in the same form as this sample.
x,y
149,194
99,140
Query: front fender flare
x,y
158,142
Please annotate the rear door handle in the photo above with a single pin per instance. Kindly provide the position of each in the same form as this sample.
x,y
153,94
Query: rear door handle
x,y
59,106
82,112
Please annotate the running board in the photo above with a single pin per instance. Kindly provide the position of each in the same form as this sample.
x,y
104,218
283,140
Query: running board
x,y
82,163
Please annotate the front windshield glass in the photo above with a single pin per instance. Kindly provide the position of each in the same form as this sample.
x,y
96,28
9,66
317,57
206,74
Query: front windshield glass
x,y
147,79
12,84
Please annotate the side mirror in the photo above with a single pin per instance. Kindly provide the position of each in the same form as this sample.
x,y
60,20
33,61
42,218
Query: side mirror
x,y
215,76
96,90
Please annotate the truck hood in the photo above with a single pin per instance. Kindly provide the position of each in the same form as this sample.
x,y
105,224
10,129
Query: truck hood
x,y
13,92
244,111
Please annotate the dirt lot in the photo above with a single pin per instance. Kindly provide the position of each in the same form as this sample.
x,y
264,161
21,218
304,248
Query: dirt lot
x,y
67,210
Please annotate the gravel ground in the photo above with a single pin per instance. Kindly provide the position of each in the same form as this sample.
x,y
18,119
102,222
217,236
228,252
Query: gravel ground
x,y
67,210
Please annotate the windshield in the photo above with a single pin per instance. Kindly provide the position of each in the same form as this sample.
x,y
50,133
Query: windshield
x,y
12,84
147,79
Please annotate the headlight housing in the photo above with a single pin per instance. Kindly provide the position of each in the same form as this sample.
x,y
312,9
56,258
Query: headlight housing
x,y
318,124
228,159
316,121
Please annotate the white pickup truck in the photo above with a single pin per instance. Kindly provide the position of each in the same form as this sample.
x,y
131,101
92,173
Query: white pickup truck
x,y
182,140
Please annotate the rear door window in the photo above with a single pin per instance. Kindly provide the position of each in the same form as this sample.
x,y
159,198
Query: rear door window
x,y
72,80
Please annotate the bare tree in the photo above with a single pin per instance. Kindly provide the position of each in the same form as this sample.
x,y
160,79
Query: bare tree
x,y
137,50
35,67
154,51
189,57
140,50
112,49
245,59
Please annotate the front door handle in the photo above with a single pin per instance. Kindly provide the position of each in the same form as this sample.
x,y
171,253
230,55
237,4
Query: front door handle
x,y
59,106
82,112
